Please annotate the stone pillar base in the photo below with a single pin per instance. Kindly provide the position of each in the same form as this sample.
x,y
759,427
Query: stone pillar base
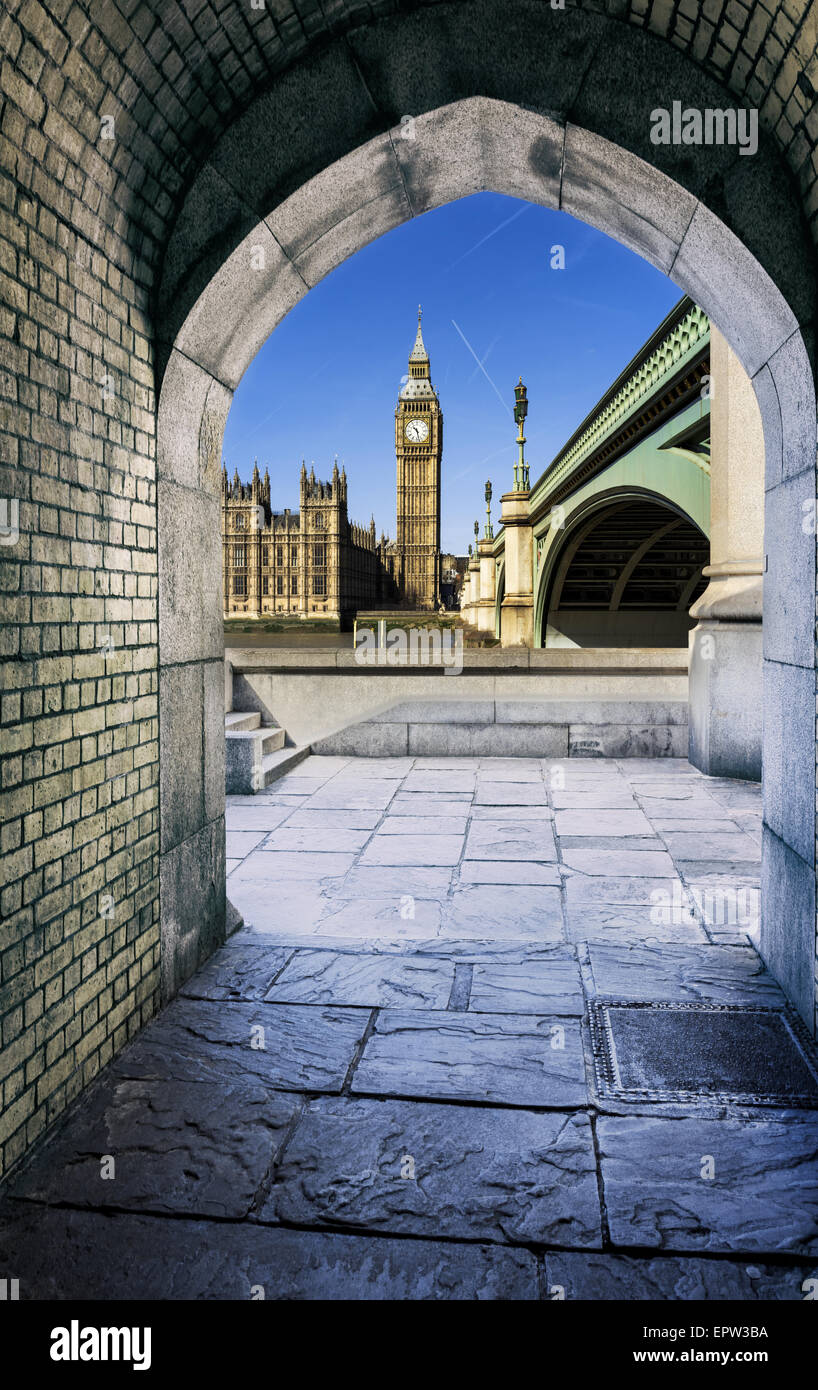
x,y
726,698
517,621
483,615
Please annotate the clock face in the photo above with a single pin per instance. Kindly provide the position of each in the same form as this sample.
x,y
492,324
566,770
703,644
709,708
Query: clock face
x,y
416,431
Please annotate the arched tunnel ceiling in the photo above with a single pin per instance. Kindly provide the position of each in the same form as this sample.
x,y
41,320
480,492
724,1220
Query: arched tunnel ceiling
x,y
177,74
636,555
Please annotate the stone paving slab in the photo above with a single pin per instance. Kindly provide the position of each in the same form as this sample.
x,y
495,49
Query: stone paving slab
x,y
726,902
532,815
725,789
698,825
379,769
331,977
507,840
307,818
443,780
657,769
249,817
543,987
242,971
692,807
331,840
596,1277
401,917
624,863
629,925
429,763
83,1255
592,890
329,764
593,799
722,845
493,912
683,791
434,824
239,843
727,869
295,906
714,974
272,866
413,850
507,772
510,871
599,822
180,1147
305,1048
510,794
372,881
295,784
511,769
763,1196
353,794
430,804
482,950
475,1173
480,1057
611,844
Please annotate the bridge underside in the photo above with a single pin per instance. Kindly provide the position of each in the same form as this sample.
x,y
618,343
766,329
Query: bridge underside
x,y
627,577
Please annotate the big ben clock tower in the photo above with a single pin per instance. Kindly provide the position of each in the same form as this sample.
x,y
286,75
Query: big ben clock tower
x,y
419,447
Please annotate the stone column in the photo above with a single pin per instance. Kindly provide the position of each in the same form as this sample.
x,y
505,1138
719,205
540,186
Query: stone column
x,y
473,590
464,596
484,614
517,608
725,646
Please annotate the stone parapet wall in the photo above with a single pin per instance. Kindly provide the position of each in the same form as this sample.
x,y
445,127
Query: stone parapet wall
x,y
325,699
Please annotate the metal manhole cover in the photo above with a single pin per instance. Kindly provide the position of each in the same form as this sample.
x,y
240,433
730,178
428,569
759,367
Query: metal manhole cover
x,y
702,1052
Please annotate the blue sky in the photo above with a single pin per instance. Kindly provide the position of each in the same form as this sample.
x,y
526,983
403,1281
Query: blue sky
x,y
327,380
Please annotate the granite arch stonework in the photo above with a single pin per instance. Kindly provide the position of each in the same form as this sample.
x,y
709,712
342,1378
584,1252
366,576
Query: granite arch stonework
x,y
305,139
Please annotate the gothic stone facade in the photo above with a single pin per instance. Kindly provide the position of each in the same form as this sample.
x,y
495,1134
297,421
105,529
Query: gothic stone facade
x,y
317,564
314,563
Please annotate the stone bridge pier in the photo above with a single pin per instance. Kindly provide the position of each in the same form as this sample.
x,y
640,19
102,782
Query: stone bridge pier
x,y
726,658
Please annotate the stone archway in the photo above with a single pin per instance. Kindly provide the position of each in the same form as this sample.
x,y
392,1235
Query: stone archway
x,y
141,144
357,198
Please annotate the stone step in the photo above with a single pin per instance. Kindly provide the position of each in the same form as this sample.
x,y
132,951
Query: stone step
x,y
238,723
249,748
274,765
272,740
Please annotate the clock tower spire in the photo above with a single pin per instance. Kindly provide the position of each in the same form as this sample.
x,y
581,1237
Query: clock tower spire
x,y
418,449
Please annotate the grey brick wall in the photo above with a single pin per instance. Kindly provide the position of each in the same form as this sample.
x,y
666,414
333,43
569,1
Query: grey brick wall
x,y
84,222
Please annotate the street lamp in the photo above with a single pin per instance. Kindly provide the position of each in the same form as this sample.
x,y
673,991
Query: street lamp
x,y
521,479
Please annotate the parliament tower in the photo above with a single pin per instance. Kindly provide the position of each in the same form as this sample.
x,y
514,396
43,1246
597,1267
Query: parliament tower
x,y
418,447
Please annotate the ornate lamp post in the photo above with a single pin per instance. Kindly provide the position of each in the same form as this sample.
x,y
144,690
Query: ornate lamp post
x,y
521,481
489,527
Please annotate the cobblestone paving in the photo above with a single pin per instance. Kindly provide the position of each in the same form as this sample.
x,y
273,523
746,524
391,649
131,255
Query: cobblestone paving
x,y
382,1086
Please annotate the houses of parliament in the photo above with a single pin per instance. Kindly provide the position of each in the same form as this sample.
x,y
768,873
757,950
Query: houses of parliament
x,y
316,563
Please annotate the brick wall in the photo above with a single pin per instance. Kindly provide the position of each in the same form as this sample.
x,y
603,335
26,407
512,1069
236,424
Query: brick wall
x,y
83,224
79,940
